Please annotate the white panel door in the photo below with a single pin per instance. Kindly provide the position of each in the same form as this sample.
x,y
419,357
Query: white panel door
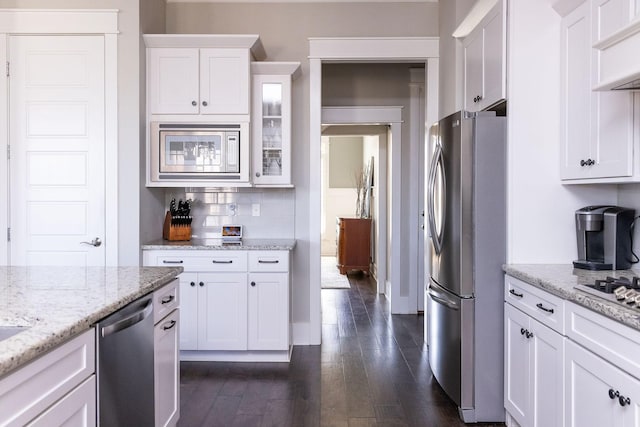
x,y
57,139
268,311
517,363
224,81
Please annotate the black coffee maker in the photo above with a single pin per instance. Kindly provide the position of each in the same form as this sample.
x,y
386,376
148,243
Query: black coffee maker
x,y
604,238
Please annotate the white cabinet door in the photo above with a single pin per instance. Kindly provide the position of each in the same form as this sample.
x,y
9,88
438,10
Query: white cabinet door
x,y
494,61
167,370
224,81
173,86
271,130
222,311
268,311
76,409
189,311
589,382
57,165
547,358
516,365
473,71
576,153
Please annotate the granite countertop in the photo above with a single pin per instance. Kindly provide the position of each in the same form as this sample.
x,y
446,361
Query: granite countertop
x,y
58,303
219,244
560,279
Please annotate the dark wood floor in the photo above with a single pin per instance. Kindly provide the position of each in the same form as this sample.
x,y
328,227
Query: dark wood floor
x,y
371,370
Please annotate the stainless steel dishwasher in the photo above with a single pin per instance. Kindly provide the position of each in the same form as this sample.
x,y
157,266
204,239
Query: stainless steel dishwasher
x,y
125,366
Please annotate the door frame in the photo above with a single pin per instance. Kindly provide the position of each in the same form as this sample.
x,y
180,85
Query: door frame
x,y
349,50
102,22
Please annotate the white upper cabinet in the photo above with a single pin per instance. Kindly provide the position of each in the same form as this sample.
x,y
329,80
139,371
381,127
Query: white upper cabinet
x,y
198,81
200,74
597,136
271,121
485,61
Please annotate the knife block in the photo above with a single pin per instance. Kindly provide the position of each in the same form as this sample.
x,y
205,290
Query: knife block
x,y
175,232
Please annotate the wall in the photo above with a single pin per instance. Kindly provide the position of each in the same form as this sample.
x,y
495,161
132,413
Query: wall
x,y
212,209
284,29
345,161
541,209
629,197
128,112
152,200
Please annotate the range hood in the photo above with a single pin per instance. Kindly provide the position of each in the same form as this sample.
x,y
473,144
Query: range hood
x,y
617,59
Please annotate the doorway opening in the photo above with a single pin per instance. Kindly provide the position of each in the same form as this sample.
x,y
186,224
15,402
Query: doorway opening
x,y
351,184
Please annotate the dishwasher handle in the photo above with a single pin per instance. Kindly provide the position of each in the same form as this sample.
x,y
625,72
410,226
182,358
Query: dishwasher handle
x,y
128,321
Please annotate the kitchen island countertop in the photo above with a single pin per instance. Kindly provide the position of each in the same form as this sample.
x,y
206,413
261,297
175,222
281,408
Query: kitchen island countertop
x,y
560,280
219,244
58,303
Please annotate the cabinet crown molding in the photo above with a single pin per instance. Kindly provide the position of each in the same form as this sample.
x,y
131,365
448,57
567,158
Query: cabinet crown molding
x,y
241,41
283,68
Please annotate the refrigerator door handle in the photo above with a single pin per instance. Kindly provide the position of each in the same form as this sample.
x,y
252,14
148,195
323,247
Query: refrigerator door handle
x,y
441,297
437,164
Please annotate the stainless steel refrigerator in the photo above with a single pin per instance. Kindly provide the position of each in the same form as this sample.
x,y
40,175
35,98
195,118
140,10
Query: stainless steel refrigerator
x,y
466,205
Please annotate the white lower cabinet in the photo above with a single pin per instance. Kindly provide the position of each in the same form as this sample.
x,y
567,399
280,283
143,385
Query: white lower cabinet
x,y
166,355
57,389
235,305
598,393
533,370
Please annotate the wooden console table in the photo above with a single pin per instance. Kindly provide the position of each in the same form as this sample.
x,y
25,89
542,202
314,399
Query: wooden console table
x,y
353,244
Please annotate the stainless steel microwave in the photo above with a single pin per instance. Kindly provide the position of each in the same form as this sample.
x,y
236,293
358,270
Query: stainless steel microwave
x,y
192,151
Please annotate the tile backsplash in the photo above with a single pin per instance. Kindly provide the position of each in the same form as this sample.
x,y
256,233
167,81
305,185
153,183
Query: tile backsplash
x,y
264,213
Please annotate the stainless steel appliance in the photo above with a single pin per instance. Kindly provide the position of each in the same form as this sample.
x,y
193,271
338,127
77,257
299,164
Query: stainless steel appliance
x,y
125,366
604,238
196,151
466,196
621,290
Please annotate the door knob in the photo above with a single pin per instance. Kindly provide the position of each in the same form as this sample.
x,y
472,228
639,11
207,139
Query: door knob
x,y
95,242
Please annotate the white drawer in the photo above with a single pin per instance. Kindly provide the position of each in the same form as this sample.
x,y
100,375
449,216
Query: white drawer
x,y
165,300
613,341
546,308
27,392
269,261
199,261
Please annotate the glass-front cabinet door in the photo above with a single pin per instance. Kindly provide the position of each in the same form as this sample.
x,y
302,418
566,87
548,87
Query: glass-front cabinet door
x,y
271,119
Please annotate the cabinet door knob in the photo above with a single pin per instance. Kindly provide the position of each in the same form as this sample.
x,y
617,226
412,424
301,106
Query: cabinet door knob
x,y
522,331
582,163
590,162
613,393
624,401
253,283
192,283
205,103
529,334
194,103
257,174
201,283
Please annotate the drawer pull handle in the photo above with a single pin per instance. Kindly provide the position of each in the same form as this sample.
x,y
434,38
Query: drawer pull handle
x,y
261,261
543,308
167,299
222,262
624,401
170,325
613,393
515,294
168,261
